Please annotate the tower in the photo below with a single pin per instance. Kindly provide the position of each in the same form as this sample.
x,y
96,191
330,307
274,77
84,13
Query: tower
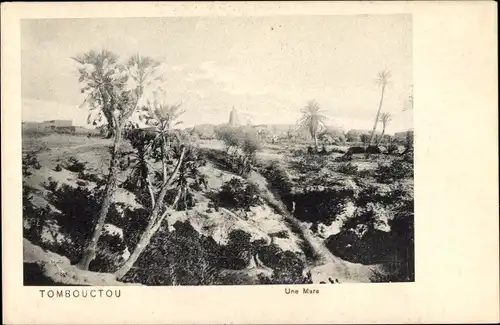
x,y
233,118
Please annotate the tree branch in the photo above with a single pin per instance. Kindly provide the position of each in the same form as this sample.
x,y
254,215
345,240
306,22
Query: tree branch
x,y
151,193
168,209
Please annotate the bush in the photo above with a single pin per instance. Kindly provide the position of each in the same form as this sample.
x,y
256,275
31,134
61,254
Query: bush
x,y
237,253
245,143
364,174
74,165
347,168
79,207
322,205
58,168
182,257
287,266
396,170
232,137
392,148
51,185
280,234
277,176
235,194
89,177
30,161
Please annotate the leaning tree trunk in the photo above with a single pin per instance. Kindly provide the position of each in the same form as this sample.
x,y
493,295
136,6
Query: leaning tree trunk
x,y
90,251
378,115
154,224
381,136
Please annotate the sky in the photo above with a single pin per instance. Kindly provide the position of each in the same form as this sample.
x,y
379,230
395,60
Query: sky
x,y
268,68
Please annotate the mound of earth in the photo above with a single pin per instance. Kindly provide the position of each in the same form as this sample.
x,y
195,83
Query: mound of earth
x,y
48,268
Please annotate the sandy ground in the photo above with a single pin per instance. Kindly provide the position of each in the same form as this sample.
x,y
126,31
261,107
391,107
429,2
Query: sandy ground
x,y
59,269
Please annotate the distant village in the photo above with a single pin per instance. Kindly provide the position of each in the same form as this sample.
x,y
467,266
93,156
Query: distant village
x,y
57,126
270,132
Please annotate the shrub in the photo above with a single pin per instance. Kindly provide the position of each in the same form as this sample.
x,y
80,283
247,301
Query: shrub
x,y
245,142
74,165
30,161
280,234
182,257
79,207
347,168
408,157
51,185
392,148
396,170
35,222
278,178
232,137
89,177
234,193
364,173
322,205
345,157
287,266
237,253
58,168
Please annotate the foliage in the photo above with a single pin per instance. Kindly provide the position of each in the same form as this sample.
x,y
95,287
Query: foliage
x,y
278,177
409,140
113,89
73,221
312,119
231,136
242,144
347,168
91,177
396,170
29,162
287,266
322,205
364,138
237,253
79,207
75,165
353,136
190,178
182,257
236,194
280,234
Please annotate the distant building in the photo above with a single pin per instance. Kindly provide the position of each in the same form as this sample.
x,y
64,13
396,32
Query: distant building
x,y
60,126
233,118
58,123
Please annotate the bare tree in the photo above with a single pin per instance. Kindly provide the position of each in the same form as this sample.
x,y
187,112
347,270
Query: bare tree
x,y
382,80
385,118
114,91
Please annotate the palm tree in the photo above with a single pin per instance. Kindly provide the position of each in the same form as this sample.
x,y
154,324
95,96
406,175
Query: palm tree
x,y
312,120
385,118
382,80
110,92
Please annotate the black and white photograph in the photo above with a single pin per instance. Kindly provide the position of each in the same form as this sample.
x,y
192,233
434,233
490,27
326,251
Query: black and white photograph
x,y
198,151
